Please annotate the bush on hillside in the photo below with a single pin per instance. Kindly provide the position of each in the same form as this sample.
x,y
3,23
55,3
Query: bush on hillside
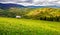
x,y
50,14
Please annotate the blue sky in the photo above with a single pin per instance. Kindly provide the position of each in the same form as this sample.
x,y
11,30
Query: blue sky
x,y
33,2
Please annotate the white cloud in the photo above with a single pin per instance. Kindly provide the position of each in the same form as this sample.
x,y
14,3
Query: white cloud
x,y
58,2
47,2
33,2
7,2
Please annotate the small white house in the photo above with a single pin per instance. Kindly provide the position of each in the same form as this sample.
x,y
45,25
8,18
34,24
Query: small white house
x,y
18,16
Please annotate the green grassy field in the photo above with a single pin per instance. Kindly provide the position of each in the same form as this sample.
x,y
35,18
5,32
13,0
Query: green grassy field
x,y
13,26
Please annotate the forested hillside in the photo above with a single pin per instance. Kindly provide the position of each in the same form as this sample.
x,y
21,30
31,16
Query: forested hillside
x,y
51,14
12,12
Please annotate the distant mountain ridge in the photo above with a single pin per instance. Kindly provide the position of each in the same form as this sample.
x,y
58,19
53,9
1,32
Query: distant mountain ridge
x,y
8,5
43,6
5,6
35,6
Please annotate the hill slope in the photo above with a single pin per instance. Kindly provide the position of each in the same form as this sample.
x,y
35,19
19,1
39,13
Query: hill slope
x,y
51,14
13,26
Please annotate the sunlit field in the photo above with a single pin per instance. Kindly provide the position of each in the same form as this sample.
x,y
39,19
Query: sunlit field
x,y
13,26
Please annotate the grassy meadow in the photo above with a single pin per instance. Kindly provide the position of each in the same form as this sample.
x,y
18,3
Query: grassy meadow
x,y
13,26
